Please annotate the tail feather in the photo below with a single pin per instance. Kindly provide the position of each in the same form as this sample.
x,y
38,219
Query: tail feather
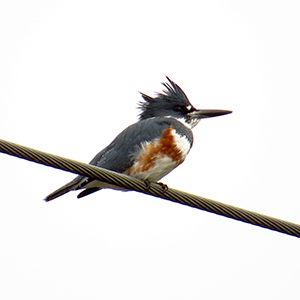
x,y
71,186
88,191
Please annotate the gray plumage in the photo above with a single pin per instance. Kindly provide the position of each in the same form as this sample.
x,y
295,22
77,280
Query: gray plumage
x,y
126,144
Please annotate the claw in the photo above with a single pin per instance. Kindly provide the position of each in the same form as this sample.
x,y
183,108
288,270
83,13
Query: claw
x,y
148,185
164,186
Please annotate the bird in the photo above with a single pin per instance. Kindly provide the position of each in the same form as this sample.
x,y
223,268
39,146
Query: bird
x,y
150,148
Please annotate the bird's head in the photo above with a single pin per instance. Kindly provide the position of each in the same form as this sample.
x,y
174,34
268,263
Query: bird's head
x,y
173,103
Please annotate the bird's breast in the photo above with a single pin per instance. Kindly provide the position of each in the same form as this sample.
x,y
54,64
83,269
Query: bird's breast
x,y
159,157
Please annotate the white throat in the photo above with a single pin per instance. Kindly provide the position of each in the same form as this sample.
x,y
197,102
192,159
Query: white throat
x,y
191,124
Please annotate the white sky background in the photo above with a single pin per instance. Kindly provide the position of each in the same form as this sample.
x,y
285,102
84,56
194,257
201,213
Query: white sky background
x,y
70,72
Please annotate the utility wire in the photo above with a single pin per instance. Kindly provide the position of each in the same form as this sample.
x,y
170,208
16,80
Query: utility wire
x,y
156,190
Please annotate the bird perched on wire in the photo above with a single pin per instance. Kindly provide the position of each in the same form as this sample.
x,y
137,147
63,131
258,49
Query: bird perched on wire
x,y
152,147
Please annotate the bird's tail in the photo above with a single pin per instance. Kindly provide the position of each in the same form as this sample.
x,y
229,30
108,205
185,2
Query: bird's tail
x,y
71,186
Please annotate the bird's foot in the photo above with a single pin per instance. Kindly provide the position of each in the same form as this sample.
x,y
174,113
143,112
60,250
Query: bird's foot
x,y
148,185
164,186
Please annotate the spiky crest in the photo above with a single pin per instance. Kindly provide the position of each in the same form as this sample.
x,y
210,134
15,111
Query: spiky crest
x,y
158,105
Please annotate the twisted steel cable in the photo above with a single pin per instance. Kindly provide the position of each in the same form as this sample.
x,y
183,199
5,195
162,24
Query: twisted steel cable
x,y
156,190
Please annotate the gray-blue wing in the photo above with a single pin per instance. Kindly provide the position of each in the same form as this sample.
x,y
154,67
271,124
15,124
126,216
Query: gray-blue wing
x,y
119,155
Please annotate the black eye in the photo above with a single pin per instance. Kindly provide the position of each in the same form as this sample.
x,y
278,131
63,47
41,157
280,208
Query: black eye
x,y
180,108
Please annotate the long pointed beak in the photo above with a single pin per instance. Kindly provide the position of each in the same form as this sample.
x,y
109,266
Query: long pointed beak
x,y
208,113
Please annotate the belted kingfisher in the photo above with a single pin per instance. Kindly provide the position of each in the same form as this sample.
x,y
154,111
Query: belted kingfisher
x,y
152,147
